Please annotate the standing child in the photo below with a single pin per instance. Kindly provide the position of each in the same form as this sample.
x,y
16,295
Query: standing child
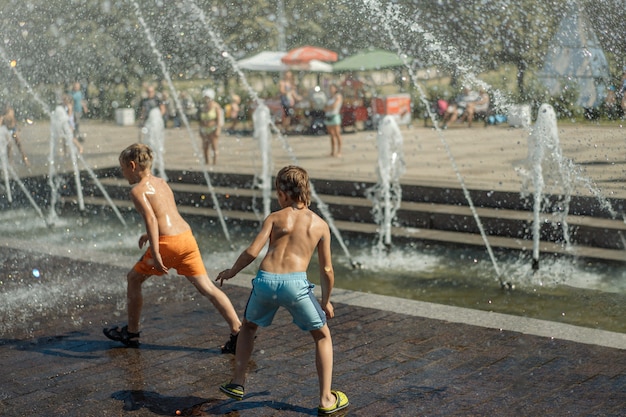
x,y
9,120
294,233
172,245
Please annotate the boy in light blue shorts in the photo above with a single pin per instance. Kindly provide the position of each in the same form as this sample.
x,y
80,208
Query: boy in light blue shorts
x,y
292,291
294,233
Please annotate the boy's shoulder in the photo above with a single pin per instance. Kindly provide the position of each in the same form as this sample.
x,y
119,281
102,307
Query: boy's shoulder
x,y
287,212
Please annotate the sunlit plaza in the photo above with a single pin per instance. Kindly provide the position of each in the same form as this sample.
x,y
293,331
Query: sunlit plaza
x,y
477,262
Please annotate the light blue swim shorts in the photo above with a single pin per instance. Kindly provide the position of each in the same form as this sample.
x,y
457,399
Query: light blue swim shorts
x,y
292,291
332,120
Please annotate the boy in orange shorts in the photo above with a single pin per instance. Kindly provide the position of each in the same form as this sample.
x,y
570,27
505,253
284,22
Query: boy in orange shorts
x,y
294,233
172,246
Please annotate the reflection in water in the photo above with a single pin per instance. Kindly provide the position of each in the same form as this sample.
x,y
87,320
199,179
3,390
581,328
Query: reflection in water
x,y
33,288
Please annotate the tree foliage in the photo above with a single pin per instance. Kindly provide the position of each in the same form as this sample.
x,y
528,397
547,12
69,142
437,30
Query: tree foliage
x,y
59,41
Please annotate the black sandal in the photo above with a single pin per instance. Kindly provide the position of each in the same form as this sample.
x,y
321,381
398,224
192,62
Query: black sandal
x,y
231,345
122,335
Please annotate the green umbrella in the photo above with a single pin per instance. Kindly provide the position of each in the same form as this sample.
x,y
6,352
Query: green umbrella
x,y
370,60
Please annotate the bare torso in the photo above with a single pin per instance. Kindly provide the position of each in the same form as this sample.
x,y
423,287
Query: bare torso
x,y
153,197
294,236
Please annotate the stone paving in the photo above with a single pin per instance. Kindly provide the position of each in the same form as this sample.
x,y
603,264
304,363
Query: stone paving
x,y
392,357
389,364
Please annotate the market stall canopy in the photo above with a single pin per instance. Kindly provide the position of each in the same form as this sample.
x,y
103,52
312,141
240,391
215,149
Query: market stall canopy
x,y
264,61
313,66
370,60
306,54
270,61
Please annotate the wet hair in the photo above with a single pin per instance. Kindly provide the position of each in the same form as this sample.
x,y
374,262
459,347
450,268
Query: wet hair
x,y
139,153
294,181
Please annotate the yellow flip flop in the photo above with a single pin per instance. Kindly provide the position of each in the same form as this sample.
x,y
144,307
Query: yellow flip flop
x,y
341,403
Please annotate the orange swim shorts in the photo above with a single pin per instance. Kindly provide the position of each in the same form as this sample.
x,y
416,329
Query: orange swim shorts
x,y
179,252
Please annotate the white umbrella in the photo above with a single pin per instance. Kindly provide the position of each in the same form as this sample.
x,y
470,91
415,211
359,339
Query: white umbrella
x,y
271,61
264,61
314,66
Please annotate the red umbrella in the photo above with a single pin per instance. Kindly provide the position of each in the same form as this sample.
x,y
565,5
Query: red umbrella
x,y
305,54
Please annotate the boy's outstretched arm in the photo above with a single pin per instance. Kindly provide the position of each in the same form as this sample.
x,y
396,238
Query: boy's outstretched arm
x,y
248,255
327,274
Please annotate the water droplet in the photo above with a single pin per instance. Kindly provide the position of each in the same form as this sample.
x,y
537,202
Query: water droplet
x,y
36,273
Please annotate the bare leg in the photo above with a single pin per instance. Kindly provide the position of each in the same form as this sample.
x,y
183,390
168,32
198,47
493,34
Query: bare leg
x,y
134,299
338,140
205,149
323,363
335,140
286,122
214,140
79,147
18,143
448,115
453,117
245,345
219,299
469,115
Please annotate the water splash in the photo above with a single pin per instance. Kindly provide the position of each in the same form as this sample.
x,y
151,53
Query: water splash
x,y
4,160
61,133
262,120
393,14
9,172
154,136
53,179
544,137
179,107
26,84
386,195
219,43
547,167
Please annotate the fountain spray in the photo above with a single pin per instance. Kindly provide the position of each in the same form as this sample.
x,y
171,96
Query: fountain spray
x,y
53,180
392,14
218,42
179,107
386,195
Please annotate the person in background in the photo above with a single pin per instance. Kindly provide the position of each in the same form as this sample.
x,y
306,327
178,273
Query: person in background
x,y
288,98
68,106
332,112
233,111
171,113
189,106
9,121
148,103
80,108
211,119
457,108
478,107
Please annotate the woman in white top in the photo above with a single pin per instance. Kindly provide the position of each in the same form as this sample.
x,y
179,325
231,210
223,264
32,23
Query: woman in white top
x,y
333,120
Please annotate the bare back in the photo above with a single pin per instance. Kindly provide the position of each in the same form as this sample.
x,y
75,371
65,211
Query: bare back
x,y
154,200
295,233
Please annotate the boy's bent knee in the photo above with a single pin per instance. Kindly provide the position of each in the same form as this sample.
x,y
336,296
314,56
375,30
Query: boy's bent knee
x,y
249,325
321,333
134,277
